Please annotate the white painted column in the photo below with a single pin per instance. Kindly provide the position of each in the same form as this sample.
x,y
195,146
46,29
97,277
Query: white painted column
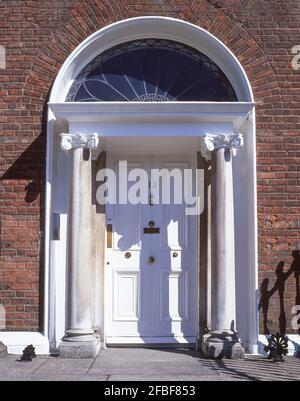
x,y
80,340
222,340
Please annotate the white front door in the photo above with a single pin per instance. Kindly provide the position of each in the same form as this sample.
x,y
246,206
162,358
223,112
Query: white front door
x,y
151,260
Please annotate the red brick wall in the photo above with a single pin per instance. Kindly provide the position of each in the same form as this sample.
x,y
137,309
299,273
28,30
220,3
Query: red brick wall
x,y
39,35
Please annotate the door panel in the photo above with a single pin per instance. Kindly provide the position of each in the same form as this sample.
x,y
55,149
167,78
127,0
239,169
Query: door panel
x,y
126,295
128,312
174,295
127,218
176,274
158,299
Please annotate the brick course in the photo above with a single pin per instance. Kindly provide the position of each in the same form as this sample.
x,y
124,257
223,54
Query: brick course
x,y
38,37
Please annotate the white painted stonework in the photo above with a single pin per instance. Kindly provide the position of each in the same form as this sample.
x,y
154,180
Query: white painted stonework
x,y
215,142
16,342
76,298
222,337
152,128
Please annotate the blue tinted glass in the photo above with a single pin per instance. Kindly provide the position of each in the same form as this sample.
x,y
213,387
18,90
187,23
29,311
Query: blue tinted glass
x,y
151,70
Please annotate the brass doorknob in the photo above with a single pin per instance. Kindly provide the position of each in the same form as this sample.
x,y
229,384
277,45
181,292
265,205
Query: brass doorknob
x,y
151,259
175,254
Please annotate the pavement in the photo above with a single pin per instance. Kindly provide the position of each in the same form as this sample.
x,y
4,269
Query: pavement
x,y
144,364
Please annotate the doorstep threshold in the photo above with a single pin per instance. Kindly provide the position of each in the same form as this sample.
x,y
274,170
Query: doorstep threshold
x,y
151,342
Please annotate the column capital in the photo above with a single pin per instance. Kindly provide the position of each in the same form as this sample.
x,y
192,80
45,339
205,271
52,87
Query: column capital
x,y
213,142
75,141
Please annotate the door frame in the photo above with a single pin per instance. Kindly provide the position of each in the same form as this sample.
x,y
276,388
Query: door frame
x,y
186,120
199,117
139,340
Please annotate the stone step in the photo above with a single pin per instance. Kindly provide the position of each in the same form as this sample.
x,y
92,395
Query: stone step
x,y
3,350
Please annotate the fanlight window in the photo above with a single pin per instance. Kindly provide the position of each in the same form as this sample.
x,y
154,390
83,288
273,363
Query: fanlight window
x,y
151,70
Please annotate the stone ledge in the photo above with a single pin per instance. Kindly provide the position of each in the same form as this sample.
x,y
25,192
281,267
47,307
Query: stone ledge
x,y
16,341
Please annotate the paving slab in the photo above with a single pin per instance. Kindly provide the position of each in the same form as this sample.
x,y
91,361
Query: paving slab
x,y
57,377
65,366
148,362
139,364
146,354
164,368
13,365
257,369
169,378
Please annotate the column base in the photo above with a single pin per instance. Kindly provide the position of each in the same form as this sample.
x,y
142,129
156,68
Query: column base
x,y
73,348
222,344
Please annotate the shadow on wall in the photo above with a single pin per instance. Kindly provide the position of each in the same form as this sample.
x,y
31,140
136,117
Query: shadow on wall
x,y
266,294
30,167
